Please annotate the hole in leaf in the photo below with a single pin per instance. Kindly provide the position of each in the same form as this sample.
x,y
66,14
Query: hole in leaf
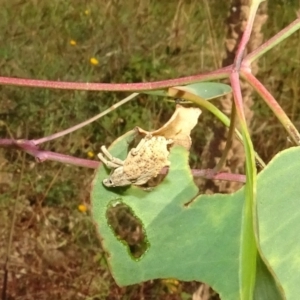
x,y
127,228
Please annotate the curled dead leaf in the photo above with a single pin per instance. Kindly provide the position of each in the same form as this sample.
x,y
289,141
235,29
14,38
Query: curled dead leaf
x,y
179,127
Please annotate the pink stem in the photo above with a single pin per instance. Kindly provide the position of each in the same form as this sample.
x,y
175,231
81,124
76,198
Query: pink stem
x,y
143,86
273,105
41,155
272,42
238,98
245,37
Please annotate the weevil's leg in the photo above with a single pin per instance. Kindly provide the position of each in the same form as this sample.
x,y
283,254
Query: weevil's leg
x,y
134,151
114,160
108,163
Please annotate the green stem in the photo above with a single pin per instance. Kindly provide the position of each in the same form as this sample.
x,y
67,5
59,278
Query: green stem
x,y
181,93
248,237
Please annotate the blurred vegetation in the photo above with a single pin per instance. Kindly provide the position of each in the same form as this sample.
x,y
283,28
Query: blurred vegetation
x,y
107,41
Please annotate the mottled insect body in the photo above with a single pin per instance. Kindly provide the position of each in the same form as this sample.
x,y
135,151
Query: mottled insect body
x,y
141,164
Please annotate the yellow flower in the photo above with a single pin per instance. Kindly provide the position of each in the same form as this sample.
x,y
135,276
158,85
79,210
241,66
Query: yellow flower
x,y
94,61
172,285
87,12
82,208
90,154
73,42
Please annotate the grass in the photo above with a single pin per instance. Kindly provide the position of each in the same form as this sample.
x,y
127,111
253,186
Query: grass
x,y
55,253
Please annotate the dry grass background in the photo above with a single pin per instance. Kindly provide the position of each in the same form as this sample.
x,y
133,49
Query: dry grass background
x,y
54,252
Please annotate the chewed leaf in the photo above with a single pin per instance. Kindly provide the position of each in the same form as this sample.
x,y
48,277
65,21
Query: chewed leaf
x,y
179,127
188,242
197,237
205,90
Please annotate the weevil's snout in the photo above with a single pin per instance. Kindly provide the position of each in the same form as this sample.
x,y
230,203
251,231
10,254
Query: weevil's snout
x,y
108,182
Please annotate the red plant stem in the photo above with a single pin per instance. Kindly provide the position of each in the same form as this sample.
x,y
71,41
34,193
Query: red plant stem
x,y
272,42
132,87
273,104
238,99
41,156
210,174
246,36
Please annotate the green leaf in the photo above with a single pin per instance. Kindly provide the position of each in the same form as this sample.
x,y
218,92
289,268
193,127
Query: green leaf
x,y
195,242
205,90
279,219
202,240
265,286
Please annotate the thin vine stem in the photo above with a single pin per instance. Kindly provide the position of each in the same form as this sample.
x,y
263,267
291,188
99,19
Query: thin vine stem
x,y
78,126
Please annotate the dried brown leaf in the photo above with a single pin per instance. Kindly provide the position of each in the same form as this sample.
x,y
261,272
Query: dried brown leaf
x,y
179,127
